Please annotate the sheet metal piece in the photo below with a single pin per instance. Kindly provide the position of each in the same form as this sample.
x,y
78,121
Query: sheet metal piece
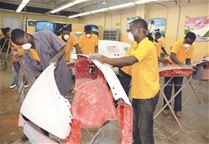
x,y
125,115
75,133
46,107
93,103
115,86
93,106
111,78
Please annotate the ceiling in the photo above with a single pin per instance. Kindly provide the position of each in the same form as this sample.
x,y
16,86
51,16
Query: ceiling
x,y
45,6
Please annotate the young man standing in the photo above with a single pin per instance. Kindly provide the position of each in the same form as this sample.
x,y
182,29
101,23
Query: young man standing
x,y
88,42
181,54
160,44
145,81
71,41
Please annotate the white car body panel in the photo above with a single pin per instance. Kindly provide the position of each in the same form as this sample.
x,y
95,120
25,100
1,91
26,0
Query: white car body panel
x,y
46,107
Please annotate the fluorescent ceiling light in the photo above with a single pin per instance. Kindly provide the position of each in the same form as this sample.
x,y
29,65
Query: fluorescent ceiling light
x,y
103,9
25,1
67,5
99,10
121,6
144,1
125,5
22,5
81,14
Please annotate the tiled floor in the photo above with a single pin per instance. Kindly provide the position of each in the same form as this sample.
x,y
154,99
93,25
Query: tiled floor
x,y
195,119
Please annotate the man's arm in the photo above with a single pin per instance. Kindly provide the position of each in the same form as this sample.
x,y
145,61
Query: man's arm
x,y
117,62
164,60
78,49
96,49
163,49
96,44
175,59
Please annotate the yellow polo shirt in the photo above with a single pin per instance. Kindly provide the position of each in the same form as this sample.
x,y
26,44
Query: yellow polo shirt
x,y
20,52
145,75
127,69
88,45
181,53
69,44
159,45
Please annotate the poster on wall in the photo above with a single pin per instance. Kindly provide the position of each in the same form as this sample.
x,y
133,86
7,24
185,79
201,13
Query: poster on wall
x,y
44,25
157,25
48,25
199,26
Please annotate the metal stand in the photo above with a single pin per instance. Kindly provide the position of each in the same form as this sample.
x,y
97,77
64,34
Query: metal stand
x,y
168,102
4,56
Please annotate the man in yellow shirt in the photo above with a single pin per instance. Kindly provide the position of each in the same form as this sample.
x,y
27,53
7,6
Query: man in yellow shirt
x,y
160,44
125,72
145,81
71,41
88,42
181,54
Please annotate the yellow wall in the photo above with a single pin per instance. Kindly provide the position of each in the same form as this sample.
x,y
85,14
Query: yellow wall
x,y
173,16
117,20
77,24
98,19
170,11
21,16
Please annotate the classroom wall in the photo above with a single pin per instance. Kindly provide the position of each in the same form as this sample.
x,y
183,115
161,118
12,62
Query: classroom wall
x,y
98,19
77,24
112,20
174,15
175,20
21,16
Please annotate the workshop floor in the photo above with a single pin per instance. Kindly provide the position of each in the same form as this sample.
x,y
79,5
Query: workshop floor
x,y
195,118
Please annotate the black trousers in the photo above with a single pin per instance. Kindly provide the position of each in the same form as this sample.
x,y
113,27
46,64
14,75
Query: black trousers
x,y
125,80
177,82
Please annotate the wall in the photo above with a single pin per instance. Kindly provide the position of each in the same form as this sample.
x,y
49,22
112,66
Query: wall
x,y
170,11
77,24
21,16
174,14
117,19
98,19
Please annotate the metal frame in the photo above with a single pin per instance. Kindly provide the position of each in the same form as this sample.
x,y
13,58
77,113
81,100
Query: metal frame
x,y
188,80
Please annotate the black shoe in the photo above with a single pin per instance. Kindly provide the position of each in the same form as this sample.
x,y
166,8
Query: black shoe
x,y
24,138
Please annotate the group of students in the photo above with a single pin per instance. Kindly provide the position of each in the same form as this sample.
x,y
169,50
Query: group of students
x,y
43,48
140,65
139,68
87,43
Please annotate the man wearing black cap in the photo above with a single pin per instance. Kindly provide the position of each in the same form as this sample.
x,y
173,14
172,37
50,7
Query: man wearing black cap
x,y
88,42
